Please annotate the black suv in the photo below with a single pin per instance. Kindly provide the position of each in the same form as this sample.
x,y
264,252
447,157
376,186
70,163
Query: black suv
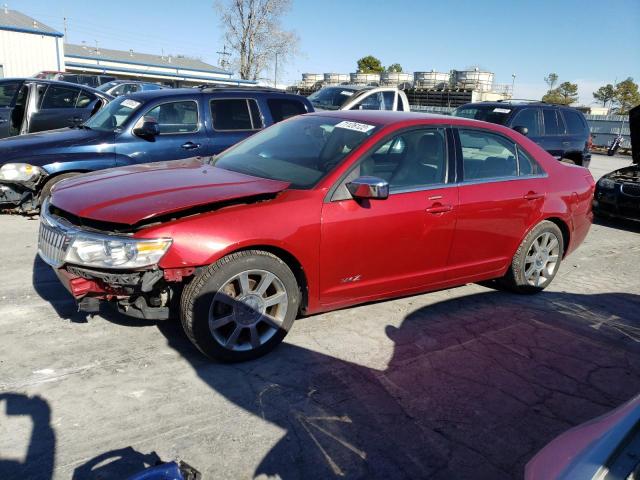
x,y
562,131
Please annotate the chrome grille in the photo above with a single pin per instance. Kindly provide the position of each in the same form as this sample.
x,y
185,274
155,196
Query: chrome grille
x,y
631,189
53,240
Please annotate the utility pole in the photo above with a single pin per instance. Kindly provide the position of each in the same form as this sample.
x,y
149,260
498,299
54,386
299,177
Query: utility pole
x,y
222,60
66,38
513,83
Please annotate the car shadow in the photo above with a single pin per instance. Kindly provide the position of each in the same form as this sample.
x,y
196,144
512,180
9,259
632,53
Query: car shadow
x,y
617,223
475,387
39,459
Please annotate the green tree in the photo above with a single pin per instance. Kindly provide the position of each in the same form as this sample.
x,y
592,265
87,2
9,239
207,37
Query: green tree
x,y
605,94
565,94
394,68
370,64
626,96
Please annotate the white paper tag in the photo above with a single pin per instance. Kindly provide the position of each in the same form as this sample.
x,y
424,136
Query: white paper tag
x,y
358,127
501,110
348,93
132,104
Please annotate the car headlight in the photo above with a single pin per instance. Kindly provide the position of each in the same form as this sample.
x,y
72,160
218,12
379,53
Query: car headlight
x,y
115,252
606,183
20,172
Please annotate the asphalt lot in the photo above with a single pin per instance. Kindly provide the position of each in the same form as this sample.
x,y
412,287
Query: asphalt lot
x,y
466,383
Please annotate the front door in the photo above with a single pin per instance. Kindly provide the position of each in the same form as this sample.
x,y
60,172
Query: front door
x,y
181,135
8,93
385,247
501,192
56,108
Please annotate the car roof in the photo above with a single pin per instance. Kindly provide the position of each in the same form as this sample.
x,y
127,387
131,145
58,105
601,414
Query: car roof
x,y
222,92
515,104
55,82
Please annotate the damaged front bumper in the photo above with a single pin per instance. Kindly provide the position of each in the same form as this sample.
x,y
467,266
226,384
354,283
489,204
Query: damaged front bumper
x,y
150,294
19,195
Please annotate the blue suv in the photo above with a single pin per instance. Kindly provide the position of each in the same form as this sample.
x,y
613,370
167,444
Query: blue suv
x,y
562,131
152,126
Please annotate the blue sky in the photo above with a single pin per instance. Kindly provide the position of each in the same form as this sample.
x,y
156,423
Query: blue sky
x,y
589,42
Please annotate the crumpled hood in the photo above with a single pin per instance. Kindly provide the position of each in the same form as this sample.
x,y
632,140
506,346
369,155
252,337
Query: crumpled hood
x,y
32,147
129,195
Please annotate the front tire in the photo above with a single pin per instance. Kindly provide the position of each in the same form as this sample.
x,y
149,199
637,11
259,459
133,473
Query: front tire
x,y
241,307
537,259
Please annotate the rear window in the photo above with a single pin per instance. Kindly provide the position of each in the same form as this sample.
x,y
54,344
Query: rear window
x,y
7,92
281,108
575,124
235,114
487,113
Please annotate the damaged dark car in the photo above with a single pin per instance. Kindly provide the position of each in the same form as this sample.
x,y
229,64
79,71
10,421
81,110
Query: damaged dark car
x,y
618,194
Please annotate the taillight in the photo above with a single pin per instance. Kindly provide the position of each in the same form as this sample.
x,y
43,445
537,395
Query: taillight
x,y
589,143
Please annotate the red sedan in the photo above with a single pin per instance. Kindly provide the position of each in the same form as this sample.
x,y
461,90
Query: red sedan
x,y
319,212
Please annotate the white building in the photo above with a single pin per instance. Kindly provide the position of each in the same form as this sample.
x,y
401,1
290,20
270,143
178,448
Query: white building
x,y
28,46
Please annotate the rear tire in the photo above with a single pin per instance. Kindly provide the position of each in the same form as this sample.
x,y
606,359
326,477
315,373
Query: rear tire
x,y
241,307
537,259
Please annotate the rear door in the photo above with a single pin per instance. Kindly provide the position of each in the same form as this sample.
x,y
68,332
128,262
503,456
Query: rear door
x,y
8,93
182,134
384,247
577,133
55,108
232,120
500,195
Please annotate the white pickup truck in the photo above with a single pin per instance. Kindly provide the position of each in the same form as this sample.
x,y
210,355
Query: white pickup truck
x,y
356,97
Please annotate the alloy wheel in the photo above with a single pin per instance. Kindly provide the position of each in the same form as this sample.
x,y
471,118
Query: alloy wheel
x,y
541,261
248,310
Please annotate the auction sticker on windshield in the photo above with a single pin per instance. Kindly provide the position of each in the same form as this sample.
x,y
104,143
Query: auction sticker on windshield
x,y
358,127
132,104
501,110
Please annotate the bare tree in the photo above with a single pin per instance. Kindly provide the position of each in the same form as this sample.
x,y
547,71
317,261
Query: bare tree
x,y
253,31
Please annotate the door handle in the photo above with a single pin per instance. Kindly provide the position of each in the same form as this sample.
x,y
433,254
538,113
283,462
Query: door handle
x,y
439,208
190,146
533,196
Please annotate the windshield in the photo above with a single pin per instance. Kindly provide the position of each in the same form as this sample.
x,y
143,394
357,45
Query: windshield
x,y
331,98
300,151
113,115
106,86
489,113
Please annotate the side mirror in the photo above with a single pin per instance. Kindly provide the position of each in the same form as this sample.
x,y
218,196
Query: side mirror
x,y
368,187
147,130
521,130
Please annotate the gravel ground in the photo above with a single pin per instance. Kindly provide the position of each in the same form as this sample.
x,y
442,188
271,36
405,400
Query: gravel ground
x,y
457,384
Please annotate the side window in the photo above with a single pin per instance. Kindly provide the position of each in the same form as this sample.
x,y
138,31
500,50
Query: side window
x,y
370,102
234,114
60,97
528,118
281,109
486,155
410,160
552,124
85,99
527,165
575,124
174,117
7,92
401,105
